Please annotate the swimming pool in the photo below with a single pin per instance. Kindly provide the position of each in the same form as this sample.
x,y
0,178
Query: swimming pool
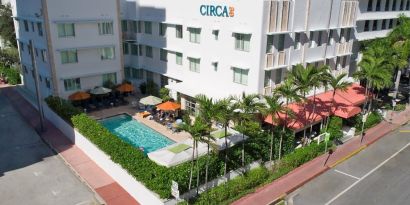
x,y
136,133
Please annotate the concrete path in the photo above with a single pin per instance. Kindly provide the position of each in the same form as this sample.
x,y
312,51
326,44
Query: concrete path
x,y
279,188
30,172
109,190
377,175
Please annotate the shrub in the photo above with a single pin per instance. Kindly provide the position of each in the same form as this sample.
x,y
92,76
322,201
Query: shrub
x,y
152,88
335,128
12,75
373,119
164,94
62,107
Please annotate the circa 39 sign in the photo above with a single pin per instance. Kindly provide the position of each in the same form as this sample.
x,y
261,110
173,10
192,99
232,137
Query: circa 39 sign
x,y
218,10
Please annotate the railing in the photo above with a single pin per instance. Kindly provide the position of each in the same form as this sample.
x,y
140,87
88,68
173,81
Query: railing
x,y
279,16
274,60
128,36
344,48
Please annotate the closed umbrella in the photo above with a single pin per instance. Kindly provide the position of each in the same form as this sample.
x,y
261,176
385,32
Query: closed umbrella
x,y
151,100
100,91
79,96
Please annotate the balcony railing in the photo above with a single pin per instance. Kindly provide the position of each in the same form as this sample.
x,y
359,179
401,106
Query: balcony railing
x,y
128,36
277,59
344,48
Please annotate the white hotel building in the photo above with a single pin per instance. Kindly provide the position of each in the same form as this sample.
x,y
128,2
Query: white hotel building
x,y
216,48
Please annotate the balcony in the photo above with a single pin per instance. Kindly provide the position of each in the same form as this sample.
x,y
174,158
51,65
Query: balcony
x,y
274,60
344,48
128,36
279,14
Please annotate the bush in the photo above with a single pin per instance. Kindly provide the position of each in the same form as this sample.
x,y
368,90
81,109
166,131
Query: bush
x,y
62,107
12,75
164,94
373,119
335,128
152,88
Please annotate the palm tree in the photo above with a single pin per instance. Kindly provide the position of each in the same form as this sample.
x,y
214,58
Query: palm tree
x,y
289,91
273,108
197,130
399,60
246,106
375,72
224,114
319,79
206,114
337,83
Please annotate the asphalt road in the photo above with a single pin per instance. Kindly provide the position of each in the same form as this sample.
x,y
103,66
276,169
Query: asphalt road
x,y
378,175
30,173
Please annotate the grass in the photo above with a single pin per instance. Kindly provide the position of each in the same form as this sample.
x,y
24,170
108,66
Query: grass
x,y
219,134
179,148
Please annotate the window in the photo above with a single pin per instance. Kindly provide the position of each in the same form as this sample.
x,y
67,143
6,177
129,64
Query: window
x,y
408,5
402,5
134,49
366,25
127,72
147,27
40,29
69,57
216,34
137,73
139,27
44,55
25,69
374,27
384,24
390,23
194,64
32,26
178,59
319,38
125,48
109,79
29,49
21,46
162,29
240,76
190,105
330,40
267,80
215,66
164,80
178,31
163,55
150,76
387,5
242,41
105,28
312,42
48,83
281,42
378,5
72,84
278,76
297,41
107,53
135,26
148,51
370,5
194,35
26,25
36,51
140,50
269,44
124,25
66,30
394,5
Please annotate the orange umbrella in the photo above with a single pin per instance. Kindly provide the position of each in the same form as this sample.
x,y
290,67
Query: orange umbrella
x,y
125,88
79,96
169,106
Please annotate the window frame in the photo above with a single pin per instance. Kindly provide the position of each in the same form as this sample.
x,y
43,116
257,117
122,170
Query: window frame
x,y
72,84
63,27
242,72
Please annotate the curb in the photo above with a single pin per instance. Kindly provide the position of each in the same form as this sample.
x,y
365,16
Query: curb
x,y
281,197
348,156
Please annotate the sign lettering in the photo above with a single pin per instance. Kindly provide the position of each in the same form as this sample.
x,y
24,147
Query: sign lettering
x,y
219,11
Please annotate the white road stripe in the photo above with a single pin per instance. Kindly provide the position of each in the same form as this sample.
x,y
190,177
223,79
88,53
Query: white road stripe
x,y
349,175
366,175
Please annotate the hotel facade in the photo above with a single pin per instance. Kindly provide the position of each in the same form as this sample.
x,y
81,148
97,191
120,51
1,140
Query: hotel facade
x,y
216,48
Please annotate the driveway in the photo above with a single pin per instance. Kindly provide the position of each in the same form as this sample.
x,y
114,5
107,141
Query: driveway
x,y
30,173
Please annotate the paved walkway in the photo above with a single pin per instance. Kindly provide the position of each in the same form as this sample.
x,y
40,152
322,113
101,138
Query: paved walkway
x,y
109,190
270,193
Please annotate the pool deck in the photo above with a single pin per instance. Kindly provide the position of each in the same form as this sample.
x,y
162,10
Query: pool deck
x,y
133,111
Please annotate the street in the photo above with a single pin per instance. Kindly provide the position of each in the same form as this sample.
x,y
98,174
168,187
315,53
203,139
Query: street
x,y
380,174
30,173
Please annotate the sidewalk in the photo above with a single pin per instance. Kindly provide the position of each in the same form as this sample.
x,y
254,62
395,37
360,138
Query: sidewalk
x,y
109,190
279,188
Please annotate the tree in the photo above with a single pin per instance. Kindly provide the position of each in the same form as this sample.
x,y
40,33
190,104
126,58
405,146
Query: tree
x,y
289,91
273,108
319,78
9,57
337,83
197,130
224,114
7,32
164,94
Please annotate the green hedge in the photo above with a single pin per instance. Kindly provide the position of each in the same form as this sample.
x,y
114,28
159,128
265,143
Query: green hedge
x,y
12,75
373,119
335,127
62,107
238,187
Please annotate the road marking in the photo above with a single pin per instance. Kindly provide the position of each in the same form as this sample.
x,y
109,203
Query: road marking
x,y
366,175
349,175
404,131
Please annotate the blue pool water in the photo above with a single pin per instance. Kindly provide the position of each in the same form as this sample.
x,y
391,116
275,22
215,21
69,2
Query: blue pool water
x,y
136,133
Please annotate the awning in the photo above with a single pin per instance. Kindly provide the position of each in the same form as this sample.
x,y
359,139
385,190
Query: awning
x,y
347,112
355,94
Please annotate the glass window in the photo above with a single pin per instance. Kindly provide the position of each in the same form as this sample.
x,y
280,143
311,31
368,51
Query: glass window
x,y
40,29
109,79
134,49
278,76
378,5
370,5
105,28
127,72
216,34
48,84
26,25
36,51
147,27
194,35
194,64
178,59
135,26
125,48
242,41
240,76
297,41
69,57
330,40
267,80
374,28
269,44
215,66
402,5
178,30
150,76
66,30
44,55
394,5
163,55
366,25
139,27
387,5
408,5
319,38
21,46
148,51
137,73
384,24
72,84
140,50
281,42
162,29
124,25
32,26
107,53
